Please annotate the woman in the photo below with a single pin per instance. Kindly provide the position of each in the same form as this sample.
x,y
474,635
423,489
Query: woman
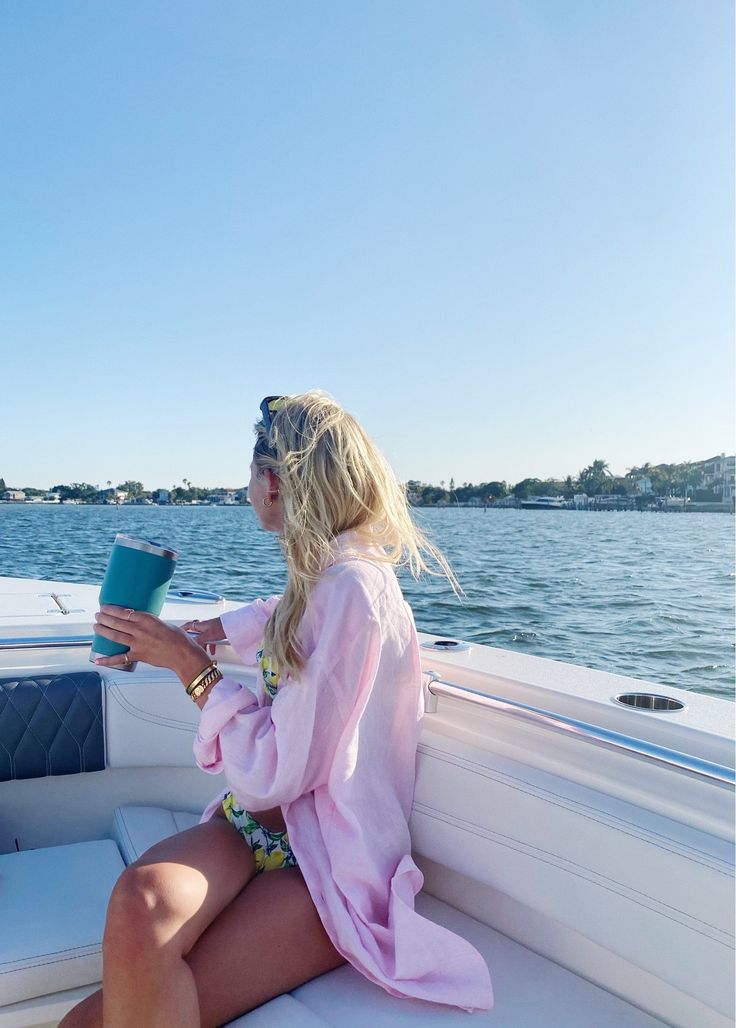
x,y
305,862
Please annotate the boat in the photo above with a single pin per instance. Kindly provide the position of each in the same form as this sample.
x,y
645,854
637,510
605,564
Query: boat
x,y
576,826
543,503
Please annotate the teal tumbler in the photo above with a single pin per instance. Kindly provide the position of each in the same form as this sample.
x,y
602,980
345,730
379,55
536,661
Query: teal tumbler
x,y
138,576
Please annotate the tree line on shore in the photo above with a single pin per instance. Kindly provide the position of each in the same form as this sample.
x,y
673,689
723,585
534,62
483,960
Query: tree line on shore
x,y
684,480
84,492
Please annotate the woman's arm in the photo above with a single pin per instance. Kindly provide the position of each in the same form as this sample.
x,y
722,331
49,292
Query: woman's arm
x,y
244,627
273,754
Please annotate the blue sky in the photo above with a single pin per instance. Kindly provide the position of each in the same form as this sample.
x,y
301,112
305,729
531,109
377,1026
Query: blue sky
x,y
499,232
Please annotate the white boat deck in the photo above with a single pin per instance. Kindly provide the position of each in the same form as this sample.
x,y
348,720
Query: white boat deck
x,y
596,882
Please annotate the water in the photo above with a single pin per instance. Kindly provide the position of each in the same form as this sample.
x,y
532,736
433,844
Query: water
x,y
641,594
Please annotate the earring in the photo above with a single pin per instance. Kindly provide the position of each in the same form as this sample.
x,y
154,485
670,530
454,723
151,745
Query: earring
x,y
267,501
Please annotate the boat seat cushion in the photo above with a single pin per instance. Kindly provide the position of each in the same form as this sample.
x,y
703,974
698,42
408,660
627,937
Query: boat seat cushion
x,y
51,725
530,990
136,829
55,899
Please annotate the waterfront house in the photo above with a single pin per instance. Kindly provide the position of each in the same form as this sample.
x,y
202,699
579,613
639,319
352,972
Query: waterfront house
x,y
111,496
719,474
226,497
14,495
162,496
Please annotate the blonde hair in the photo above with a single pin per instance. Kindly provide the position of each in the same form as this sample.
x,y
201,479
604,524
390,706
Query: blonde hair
x,y
332,479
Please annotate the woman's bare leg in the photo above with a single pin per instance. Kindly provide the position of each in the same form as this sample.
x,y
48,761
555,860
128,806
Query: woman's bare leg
x,y
268,941
160,906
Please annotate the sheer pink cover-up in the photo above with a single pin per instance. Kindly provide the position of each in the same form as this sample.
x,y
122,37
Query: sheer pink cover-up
x,y
336,751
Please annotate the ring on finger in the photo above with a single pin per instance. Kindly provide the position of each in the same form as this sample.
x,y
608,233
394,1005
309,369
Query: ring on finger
x,y
126,660
130,614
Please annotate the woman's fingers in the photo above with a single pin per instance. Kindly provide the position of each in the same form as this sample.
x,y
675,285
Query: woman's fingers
x,y
124,613
210,630
112,661
148,637
110,633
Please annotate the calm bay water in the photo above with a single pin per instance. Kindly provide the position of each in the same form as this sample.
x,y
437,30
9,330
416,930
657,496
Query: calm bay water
x,y
642,594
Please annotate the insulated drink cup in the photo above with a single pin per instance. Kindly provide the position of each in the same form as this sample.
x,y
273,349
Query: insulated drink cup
x,y
138,576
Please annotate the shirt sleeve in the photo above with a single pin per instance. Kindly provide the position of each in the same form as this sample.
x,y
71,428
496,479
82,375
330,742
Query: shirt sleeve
x,y
273,754
244,626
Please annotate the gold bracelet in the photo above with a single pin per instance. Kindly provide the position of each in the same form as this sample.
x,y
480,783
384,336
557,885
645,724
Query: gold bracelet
x,y
195,681
214,675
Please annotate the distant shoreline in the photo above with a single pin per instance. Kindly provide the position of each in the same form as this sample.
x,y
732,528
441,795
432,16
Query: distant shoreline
x,y
691,508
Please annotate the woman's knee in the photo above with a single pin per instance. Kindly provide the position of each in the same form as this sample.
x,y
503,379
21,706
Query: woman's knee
x,y
148,905
170,895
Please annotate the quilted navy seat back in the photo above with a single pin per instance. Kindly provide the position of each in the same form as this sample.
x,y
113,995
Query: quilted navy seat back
x,y
51,725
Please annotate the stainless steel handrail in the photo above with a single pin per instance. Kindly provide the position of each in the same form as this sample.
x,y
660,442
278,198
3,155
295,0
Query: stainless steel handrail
x,y
672,759
44,642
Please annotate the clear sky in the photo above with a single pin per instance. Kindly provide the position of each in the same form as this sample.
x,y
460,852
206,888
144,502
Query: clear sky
x,y
499,232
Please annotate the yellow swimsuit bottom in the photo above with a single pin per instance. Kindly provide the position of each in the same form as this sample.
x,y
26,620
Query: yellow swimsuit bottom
x,y
270,849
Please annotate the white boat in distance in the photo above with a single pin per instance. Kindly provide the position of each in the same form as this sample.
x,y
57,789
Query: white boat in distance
x,y
577,827
543,503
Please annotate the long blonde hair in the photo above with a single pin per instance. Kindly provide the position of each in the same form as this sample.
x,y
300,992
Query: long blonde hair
x,y
332,479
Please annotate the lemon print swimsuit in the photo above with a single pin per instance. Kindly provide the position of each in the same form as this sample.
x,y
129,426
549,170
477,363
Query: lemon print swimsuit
x,y
270,849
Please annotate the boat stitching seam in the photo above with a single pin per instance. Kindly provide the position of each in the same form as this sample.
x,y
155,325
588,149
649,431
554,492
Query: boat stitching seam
x,y
564,864
92,947
155,719
582,810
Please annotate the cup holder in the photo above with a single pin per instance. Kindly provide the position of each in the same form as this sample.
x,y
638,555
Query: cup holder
x,y
649,701
446,645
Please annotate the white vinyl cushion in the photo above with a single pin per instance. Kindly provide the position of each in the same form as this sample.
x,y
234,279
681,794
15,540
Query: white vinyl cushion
x,y
136,829
530,991
52,916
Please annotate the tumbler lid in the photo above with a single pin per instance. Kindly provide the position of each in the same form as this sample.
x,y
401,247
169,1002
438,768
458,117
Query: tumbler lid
x,y
147,545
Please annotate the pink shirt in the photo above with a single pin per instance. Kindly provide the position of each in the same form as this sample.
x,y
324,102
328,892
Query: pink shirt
x,y
336,751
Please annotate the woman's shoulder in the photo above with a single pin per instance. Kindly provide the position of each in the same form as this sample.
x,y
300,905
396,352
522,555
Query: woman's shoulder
x,y
358,579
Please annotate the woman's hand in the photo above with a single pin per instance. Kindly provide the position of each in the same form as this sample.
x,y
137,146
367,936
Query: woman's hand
x,y
150,639
208,632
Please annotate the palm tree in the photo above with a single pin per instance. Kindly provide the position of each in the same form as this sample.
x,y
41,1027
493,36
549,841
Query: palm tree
x,y
594,477
688,477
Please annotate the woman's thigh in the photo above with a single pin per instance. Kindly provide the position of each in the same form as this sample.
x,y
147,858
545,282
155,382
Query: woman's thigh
x,y
180,885
268,941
